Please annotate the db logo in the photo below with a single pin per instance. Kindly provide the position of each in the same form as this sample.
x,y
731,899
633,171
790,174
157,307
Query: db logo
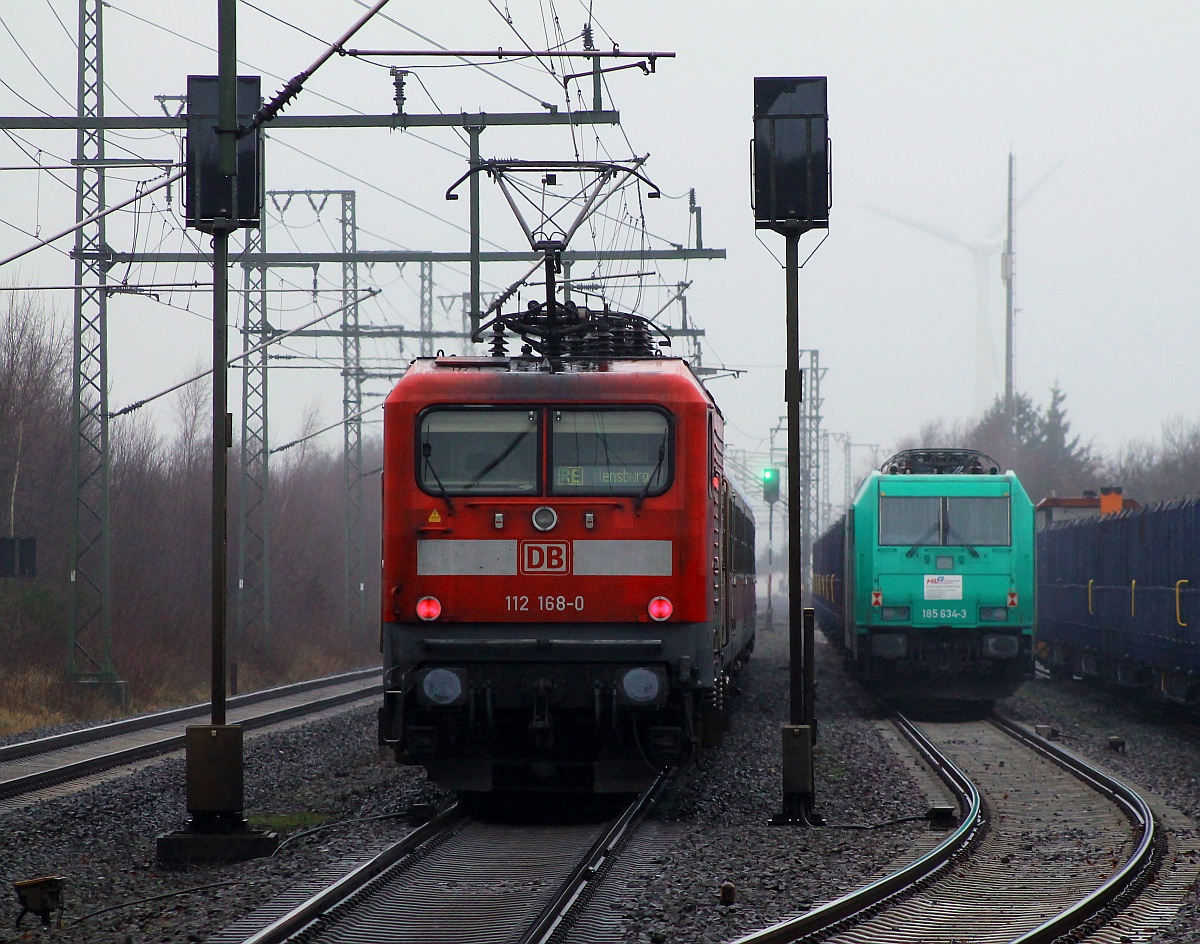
x,y
545,557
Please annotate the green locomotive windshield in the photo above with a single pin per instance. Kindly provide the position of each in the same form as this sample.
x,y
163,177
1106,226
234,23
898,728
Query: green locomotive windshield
x,y
480,451
609,452
910,520
982,522
944,521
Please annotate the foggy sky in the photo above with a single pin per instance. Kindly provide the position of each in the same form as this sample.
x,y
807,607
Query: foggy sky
x,y
926,101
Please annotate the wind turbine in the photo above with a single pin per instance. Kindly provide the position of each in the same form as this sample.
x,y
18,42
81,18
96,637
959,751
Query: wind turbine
x,y
981,250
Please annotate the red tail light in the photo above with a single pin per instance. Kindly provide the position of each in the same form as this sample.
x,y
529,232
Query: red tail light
x,y
429,608
660,608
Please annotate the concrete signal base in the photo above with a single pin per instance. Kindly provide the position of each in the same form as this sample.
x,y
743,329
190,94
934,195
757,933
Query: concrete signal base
x,y
187,846
217,830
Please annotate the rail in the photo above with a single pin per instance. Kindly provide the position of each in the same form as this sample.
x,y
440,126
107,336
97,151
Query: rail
x,y
72,770
866,899
592,869
1136,870
56,742
289,925
1084,916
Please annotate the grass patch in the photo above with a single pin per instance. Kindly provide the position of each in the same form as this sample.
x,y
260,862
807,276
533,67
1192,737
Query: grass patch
x,y
31,699
288,823
35,697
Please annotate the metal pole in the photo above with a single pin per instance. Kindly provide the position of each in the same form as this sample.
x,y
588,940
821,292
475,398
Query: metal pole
x,y
352,380
849,484
808,712
254,518
425,342
1008,308
770,565
552,348
476,274
220,443
227,135
89,622
796,513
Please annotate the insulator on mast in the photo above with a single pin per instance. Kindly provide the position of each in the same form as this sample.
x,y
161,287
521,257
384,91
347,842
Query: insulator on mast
x,y
398,77
589,41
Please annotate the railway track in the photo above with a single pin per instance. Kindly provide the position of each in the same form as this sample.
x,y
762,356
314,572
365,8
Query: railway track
x,y
1047,845
458,878
1035,832
31,770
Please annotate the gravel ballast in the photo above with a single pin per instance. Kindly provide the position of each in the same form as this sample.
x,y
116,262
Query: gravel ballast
x,y
713,828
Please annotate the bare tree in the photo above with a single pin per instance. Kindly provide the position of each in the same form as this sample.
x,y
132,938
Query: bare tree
x,y
35,364
160,503
1159,471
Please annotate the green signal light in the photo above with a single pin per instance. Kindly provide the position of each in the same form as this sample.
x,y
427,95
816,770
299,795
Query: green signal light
x,y
770,479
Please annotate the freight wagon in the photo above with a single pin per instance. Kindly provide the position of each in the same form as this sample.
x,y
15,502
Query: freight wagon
x,y
1119,599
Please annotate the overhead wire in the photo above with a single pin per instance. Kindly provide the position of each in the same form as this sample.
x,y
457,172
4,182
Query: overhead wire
x,y
89,219
45,114
22,144
312,157
516,32
75,44
281,20
610,229
36,68
482,68
385,192
138,404
250,65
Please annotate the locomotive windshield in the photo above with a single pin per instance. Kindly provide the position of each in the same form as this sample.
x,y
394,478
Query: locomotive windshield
x,y
954,521
907,520
492,452
609,452
979,521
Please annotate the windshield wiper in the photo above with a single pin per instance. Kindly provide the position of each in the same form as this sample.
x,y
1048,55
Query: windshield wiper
x,y
951,532
662,452
921,540
426,452
508,450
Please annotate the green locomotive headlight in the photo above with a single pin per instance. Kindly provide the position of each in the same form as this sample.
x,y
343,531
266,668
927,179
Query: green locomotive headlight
x,y
894,613
993,614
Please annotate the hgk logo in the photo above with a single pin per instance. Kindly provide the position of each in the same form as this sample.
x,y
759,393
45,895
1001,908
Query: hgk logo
x,y
545,557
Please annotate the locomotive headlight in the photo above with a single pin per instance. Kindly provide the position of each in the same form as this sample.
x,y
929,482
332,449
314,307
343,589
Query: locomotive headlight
x,y
894,612
993,614
1000,647
429,608
442,687
544,517
660,608
643,686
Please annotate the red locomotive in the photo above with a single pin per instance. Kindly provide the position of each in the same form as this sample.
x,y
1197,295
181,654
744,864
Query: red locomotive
x,y
568,575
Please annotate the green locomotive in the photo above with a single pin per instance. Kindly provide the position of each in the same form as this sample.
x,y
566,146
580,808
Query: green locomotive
x,y
928,581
